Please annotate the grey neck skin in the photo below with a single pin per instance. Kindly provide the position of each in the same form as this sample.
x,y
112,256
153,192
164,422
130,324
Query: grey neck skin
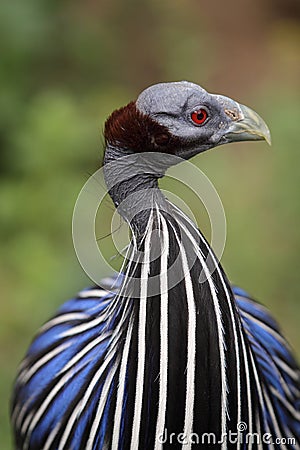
x,y
132,181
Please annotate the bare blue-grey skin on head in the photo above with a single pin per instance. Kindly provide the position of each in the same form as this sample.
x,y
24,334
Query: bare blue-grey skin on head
x,y
171,105
183,367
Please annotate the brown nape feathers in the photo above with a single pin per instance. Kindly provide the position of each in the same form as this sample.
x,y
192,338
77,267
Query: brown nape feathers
x,y
130,129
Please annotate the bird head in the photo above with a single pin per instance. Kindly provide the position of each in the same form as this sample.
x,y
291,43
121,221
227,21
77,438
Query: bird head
x,y
182,119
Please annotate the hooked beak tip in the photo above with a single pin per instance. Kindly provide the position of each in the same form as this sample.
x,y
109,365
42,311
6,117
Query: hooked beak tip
x,y
246,125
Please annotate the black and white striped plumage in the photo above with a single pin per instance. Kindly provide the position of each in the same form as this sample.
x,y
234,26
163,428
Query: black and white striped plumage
x,y
149,358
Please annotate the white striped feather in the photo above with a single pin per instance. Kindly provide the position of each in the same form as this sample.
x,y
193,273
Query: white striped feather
x,y
93,293
26,374
63,318
78,329
274,420
20,410
34,417
86,349
29,372
102,402
218,314
276,367
191,347
286,404
81,404
267,328
141,339
286,368
259,391
121,389
248,387
163,371
232,316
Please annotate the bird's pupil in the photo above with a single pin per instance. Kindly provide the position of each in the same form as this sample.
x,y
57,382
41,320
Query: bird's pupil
x,y
199,116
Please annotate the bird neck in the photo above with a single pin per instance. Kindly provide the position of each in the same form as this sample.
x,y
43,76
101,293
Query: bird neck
x,y
132,181
186,340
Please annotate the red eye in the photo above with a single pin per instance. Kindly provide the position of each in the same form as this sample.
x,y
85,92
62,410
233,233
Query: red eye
x,y
199,116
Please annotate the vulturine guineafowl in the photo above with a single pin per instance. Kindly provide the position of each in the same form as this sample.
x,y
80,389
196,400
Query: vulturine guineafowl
x,y
170,355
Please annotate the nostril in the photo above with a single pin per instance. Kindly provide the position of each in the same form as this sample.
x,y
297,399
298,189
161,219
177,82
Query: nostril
x,y
233,114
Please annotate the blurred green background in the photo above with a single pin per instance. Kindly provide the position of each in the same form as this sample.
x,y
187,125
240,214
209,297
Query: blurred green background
x,y
65,66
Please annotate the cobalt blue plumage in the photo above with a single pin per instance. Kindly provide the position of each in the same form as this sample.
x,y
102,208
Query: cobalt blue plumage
x,y
265,338
277,365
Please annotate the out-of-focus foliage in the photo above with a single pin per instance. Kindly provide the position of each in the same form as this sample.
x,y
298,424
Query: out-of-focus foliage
x,y
65,66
